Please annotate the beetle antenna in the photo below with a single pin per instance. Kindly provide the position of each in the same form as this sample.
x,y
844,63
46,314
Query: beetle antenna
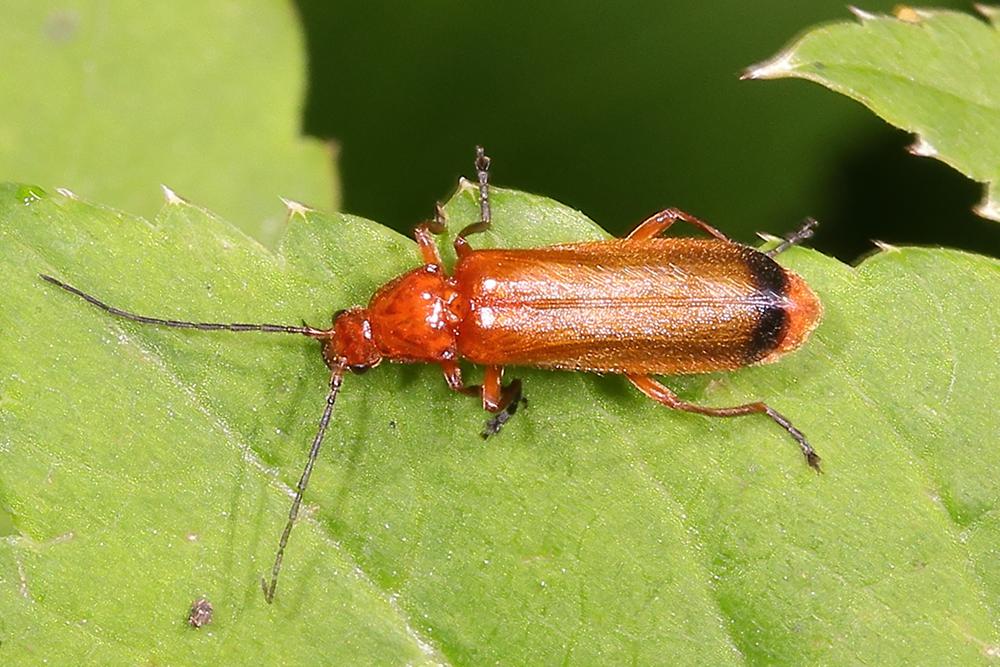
x,y
482,175
336,377
305,330
804,232
485,213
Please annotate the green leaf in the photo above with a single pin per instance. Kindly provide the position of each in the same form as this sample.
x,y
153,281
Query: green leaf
x,y
109,99
143,468
935,73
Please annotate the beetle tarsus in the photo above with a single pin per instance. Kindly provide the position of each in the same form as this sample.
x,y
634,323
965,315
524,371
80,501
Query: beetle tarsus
x,y
496,422
812,458
804,232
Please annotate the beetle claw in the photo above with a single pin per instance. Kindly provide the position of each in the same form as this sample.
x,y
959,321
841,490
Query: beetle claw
x,y
495,423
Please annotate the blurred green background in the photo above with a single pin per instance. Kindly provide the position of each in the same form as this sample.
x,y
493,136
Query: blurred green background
x,y
620,109
617,109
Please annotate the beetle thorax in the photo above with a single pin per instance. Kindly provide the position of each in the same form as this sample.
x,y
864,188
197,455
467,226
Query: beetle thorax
x,y
415,317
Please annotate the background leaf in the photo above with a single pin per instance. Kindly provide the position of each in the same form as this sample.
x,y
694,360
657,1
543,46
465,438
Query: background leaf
x,y
143,468
634,107
934,73
110,99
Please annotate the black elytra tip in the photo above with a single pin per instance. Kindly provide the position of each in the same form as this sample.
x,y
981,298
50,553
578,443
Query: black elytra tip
x,y
771,282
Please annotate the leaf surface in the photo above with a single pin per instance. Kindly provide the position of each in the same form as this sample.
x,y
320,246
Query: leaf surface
x,y
142,468
110,99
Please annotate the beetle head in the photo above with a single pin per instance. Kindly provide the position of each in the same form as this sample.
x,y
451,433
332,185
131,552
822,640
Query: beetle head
x,y
352,341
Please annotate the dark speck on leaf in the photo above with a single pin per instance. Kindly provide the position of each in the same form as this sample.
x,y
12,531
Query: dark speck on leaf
x,y
200,614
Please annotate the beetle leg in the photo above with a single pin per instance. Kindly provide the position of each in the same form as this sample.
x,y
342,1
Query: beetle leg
x,y
804,232
453,376
496,398
485,215
424,236
423,232
499,399
440,223
662,394
659,222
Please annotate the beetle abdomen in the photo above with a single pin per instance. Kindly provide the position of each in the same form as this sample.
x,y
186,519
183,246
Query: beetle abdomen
x,y
669,306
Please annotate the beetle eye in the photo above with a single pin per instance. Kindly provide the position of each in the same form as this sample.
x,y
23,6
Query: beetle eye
x,y
358,369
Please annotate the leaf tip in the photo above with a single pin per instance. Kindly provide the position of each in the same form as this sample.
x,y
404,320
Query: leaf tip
x,y
772,68
922,148
67,193
861,14
171,197
295,208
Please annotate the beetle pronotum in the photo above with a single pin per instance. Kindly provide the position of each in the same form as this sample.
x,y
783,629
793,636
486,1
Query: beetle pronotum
x,y
637,306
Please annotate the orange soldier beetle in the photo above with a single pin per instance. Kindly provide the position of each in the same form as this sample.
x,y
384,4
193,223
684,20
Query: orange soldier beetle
x,y
637,306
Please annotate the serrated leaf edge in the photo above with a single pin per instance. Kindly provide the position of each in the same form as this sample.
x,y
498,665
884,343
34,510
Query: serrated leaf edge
x,y
783,64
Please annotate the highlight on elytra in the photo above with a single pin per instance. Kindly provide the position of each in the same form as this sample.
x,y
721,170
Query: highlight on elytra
x,y
637,306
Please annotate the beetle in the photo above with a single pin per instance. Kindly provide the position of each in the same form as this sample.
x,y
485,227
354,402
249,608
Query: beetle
x,y
638,306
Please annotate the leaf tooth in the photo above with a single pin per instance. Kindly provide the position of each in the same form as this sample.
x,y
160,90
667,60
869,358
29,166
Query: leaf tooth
x,y
295,208
922,148
908,14
171,197
861,14
885,247
465,184
991,12
780,65
989,208
67,193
